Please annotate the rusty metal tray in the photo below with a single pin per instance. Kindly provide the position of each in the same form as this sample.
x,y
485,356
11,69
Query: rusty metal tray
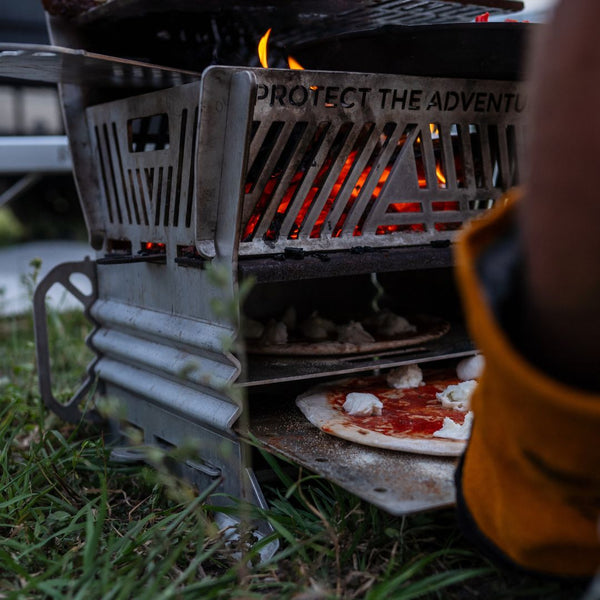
x,y
398,482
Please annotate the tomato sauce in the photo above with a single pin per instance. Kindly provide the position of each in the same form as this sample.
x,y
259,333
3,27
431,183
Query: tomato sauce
x,y
415,412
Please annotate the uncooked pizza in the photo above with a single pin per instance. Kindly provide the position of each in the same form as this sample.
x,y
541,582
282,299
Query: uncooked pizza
x,y
405,410
319,336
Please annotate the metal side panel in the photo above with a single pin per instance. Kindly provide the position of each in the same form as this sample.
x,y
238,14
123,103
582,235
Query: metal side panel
x,y
207,458
213,454
204,337
338,160
181,398
144,149
174,362
158,358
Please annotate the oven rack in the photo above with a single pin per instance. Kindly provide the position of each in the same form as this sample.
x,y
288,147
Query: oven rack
x,y
273,369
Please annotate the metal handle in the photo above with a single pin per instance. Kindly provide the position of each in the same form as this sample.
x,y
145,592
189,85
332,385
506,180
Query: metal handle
x,y
61,274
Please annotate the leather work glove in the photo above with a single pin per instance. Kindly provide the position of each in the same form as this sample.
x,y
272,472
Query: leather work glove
x,y
528,486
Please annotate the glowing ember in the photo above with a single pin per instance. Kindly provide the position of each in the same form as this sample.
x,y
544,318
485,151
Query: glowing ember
x,y
273,231
154,247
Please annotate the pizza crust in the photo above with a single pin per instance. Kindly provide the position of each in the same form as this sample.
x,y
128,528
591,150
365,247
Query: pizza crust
x,y
320,411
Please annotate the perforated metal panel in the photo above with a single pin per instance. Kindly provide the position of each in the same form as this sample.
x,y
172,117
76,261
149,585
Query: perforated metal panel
x,y
317,160
145,152
338,160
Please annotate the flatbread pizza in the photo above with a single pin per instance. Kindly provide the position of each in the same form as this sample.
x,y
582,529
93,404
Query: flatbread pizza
x,y
409,420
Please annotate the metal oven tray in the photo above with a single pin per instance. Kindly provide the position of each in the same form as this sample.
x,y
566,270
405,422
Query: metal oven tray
x,y
397,482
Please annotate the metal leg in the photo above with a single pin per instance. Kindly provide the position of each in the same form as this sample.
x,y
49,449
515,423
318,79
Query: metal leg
x,y
61,274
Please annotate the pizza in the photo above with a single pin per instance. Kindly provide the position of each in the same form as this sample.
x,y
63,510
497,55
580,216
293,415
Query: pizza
x,y
410,420
344,339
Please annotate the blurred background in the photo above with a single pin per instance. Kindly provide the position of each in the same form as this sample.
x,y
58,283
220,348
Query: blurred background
x,y
39,209
37,199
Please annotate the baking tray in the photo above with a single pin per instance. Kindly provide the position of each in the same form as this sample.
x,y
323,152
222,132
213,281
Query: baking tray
x,y
398,482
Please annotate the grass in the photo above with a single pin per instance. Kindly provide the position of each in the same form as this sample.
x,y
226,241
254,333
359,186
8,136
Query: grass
x,y
75,525
11,229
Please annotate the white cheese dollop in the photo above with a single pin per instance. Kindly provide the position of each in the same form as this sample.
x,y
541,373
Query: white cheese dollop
x,y
317,328
453,430
470,368
275,333
458,396
405,377
388,324
354,333
364,405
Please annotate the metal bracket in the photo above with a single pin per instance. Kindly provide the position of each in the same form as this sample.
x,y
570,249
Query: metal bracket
x,y
226,105
61,274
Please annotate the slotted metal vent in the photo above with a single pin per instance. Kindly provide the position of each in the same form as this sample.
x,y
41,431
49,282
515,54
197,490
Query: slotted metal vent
x,y
326,181
340,160
146,159
330,160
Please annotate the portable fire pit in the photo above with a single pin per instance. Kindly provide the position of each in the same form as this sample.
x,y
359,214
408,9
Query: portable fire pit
x,y
330,189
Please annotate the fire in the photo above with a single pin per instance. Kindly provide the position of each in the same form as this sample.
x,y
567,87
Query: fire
x,y
294,64
262,49
273,231
263,54
440,176
270,189
335,229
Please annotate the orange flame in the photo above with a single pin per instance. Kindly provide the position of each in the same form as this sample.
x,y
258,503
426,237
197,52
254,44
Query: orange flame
x,y
294,64
262,49
263,54
440,176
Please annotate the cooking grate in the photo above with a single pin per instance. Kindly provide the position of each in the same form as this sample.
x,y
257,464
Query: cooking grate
x,y
186,33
